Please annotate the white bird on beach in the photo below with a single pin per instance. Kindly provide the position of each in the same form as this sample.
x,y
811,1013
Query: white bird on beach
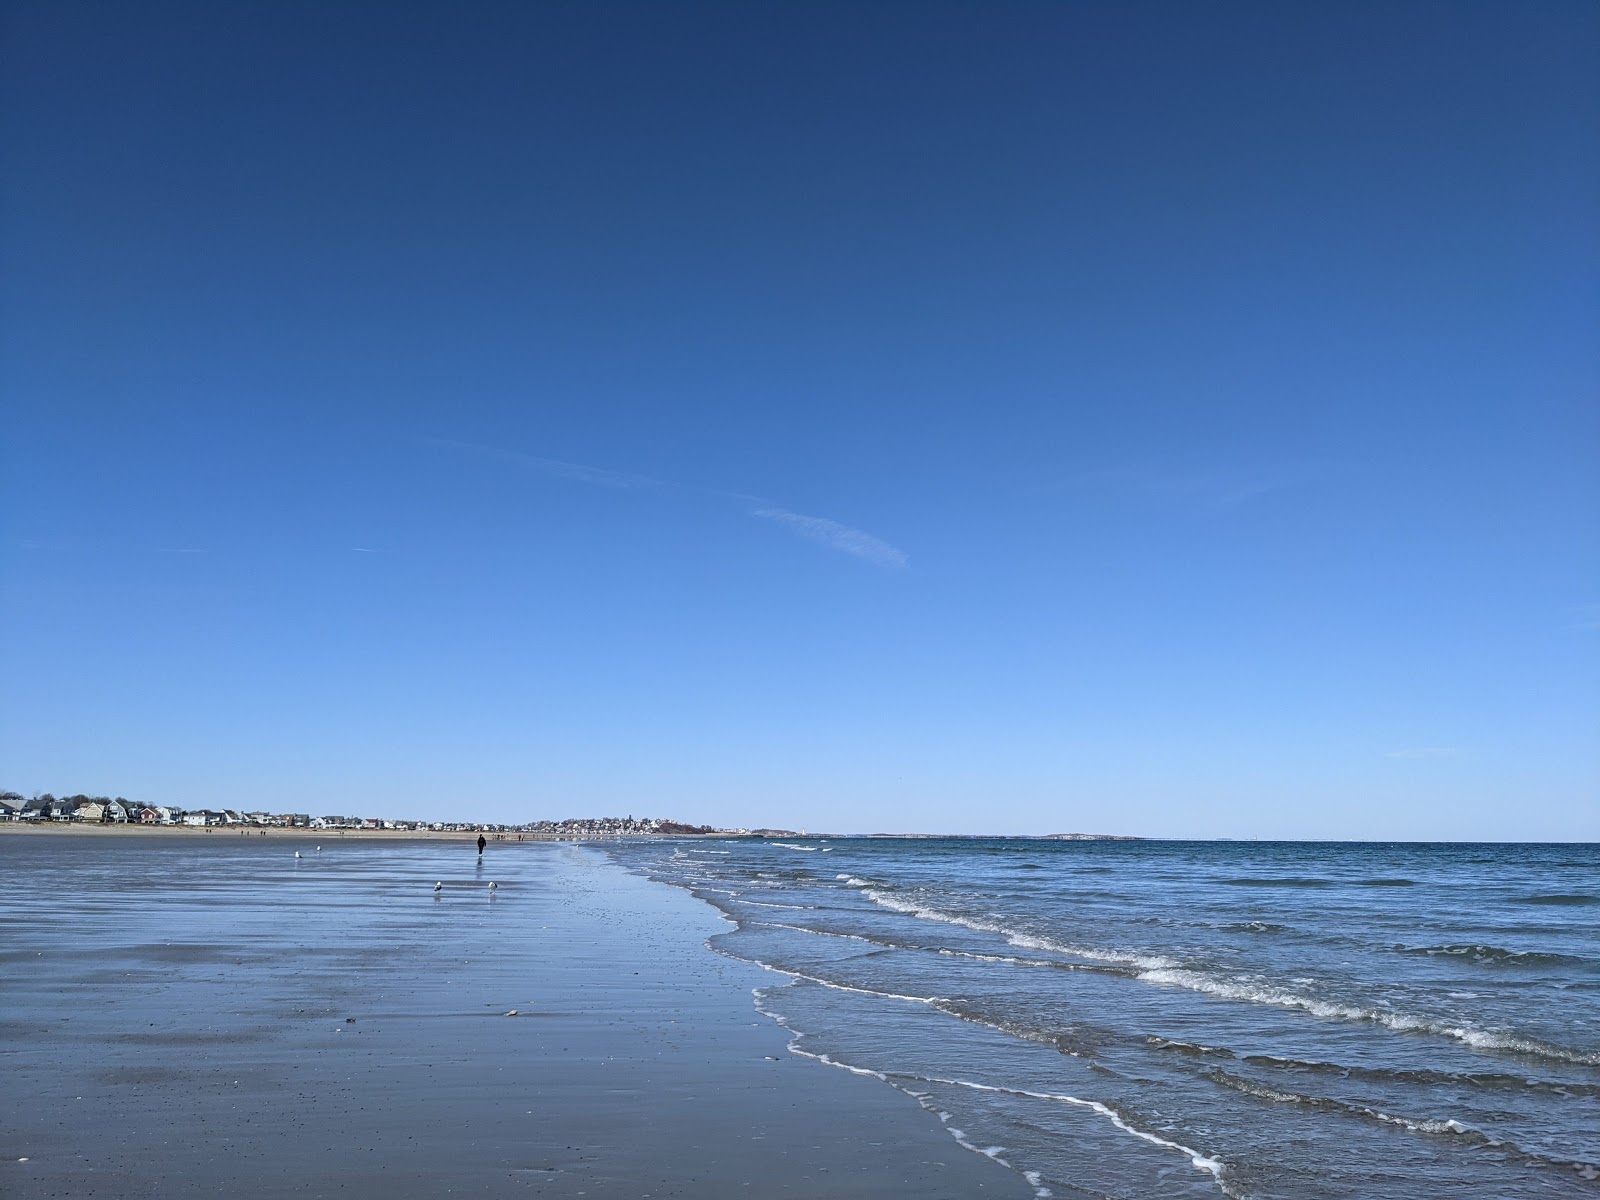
x,y
438,887
493,886
297,854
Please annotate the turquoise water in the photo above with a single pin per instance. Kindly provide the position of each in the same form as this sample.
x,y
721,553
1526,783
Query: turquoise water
x,y
1167,1019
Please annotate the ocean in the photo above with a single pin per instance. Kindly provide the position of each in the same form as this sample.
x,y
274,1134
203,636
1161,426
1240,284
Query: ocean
x,y
1188,1019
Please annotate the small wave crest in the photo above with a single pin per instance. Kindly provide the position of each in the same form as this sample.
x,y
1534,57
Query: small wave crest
x,y
1472,952
1262,993
1194,1049
1478,1080
1027,941
1444,1127
889,943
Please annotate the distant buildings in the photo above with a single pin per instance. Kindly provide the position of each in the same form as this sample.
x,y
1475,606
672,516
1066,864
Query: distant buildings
x,y
105,810
611,827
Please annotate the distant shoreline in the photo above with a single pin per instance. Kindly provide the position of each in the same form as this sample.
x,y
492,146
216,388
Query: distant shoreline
x,y
129,829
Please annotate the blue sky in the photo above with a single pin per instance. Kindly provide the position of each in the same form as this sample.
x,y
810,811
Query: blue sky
x,y
1167,419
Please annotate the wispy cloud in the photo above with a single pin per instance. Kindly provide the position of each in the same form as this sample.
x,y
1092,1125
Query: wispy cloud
x,y
1205,490
1425,752
365,550
831,534
837,537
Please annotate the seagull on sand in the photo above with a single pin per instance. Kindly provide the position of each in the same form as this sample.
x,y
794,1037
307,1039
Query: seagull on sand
x,y
297,854
438,887
493,886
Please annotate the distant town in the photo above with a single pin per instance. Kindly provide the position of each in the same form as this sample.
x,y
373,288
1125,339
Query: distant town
x,y
115,810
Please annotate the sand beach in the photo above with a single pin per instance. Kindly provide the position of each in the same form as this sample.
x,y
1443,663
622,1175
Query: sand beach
x,y
197,1016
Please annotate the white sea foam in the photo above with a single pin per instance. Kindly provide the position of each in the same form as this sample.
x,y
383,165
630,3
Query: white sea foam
x,y
1201,1162
960,1135
833,1062
1025,941
1256,992
854,937
792,846
933,1001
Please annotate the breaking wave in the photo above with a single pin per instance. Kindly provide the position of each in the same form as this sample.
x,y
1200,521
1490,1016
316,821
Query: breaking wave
x,y
1156,969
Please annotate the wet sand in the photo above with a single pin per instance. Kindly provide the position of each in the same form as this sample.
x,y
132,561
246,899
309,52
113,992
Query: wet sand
x,y
197,1017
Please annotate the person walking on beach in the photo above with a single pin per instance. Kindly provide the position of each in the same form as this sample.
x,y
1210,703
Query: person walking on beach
x,y
481,845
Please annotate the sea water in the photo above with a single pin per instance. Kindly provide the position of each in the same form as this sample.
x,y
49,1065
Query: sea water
x,y
1187,1019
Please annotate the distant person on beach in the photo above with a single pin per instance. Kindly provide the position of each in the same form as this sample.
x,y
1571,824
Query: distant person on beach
x,y
481,845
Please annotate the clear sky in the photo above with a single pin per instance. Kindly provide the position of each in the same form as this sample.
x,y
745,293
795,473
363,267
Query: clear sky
x,y
1157,418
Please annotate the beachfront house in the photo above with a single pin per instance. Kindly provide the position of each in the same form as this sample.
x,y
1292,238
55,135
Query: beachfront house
x,y
118,811
92,810
9,812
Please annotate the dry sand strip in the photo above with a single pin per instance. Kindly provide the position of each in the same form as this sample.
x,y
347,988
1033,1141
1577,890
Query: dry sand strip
x,y
330,1028
100,829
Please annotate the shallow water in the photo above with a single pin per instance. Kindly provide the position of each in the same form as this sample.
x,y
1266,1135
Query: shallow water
x,y
1166,1019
